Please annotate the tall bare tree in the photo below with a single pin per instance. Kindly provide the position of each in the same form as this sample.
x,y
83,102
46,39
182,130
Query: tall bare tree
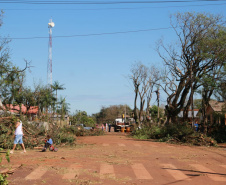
x,y
154,78
136,79
143,79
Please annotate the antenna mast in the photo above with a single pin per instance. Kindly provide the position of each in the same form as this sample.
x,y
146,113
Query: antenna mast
x,y
49,64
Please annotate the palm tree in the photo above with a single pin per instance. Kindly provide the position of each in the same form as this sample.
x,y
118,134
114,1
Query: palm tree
x,y
57,86
44,98
63,108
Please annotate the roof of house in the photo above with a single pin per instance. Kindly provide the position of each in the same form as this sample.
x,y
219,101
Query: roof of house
x,y
216,105
16,109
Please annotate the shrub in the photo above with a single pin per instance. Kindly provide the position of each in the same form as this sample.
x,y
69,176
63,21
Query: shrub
x,y
65,138
177,130
143,133
179,133
3,177
219,133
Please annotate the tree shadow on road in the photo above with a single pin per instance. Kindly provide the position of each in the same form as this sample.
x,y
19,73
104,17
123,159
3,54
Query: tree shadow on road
x,y
194,173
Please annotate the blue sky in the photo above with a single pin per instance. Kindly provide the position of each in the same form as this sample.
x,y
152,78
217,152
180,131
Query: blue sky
x,y
93,69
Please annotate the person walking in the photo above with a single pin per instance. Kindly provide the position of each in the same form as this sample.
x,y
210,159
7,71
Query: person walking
x,y
18,136
196,126
106,127
109,126
102,126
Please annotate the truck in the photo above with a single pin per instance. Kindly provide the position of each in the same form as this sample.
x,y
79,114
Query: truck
x,y
120,125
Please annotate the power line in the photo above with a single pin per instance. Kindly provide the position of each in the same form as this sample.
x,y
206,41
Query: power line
x,y
93,34
85,9
103,2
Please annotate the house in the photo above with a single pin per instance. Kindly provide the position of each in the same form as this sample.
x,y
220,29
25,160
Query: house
x,y
196,117
216,112
32,112
60,120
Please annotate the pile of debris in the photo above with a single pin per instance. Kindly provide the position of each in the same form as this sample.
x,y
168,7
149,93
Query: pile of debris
x,y
32,136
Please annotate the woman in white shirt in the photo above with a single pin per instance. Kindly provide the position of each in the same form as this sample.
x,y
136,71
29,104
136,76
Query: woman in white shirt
x,y
18,136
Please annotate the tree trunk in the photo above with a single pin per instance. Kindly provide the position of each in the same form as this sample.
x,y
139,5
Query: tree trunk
x,y
135,107
205,103
141,115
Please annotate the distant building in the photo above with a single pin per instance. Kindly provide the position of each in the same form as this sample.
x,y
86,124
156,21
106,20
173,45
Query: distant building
x,y
16,109
196,117
216,112
60,120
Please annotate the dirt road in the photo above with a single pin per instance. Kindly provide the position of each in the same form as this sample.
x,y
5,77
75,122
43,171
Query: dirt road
x,y
117,159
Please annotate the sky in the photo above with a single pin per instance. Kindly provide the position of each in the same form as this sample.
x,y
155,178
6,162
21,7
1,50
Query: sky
x,y
93,45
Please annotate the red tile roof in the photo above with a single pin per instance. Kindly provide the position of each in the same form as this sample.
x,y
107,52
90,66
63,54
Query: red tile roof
x,y
16,109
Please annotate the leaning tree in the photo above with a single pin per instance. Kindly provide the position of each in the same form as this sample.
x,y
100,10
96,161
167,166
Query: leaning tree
x,y
198,51
11,76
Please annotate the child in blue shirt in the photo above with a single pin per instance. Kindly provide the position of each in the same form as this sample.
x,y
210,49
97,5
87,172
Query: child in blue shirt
x,y
48,143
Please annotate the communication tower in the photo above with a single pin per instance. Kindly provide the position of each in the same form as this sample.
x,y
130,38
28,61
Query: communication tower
x,y
49,64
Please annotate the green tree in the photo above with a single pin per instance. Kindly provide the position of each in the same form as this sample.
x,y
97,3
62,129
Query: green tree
x,y
57,86
81,117
29,99
44,99
220,90
11,77
63,107
11,86
154,113
109,114
198,103
199,50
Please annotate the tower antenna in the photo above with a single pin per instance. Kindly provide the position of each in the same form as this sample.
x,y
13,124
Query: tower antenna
x,y
49,64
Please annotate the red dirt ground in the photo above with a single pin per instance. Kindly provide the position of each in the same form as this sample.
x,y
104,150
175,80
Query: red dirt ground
x,y
117,159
